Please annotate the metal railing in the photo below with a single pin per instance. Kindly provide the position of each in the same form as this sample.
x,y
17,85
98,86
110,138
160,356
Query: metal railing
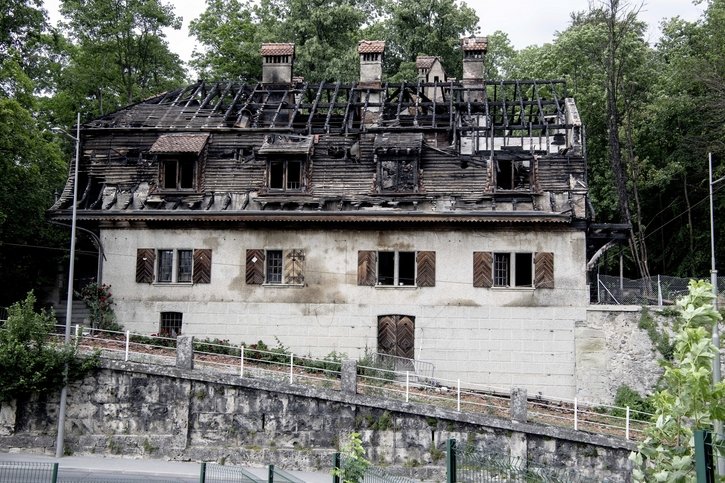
x,y
32,472
451,394
215,473
465,464
657,290
422,370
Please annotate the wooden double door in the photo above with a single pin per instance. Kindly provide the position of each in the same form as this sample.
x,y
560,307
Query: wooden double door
x,y
396,335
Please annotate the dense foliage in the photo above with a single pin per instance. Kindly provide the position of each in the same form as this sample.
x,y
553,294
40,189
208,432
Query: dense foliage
x,y
652,111
32,360
688,400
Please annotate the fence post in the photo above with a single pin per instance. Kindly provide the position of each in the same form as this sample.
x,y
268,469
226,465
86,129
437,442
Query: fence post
x,y
451,461
576,415
54,475
458,405
626,426
78,329
336,468
202,473
407,385
241,361
270,474
599,288
703,454
659,291
519,404
128,340
291,367
348,376
185,352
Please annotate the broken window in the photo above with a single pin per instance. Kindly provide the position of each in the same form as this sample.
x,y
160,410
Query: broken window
x,y
276,267
396,268
285,175
513,175
173,266
178,174
513,269
399,175
170,324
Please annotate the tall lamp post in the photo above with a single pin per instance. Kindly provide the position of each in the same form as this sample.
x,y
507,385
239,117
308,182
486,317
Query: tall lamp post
x,y
69,298
716,377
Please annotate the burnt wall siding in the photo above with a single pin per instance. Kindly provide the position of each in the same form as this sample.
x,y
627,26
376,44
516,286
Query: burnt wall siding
x,y
349,176
554,173
443,176
224,172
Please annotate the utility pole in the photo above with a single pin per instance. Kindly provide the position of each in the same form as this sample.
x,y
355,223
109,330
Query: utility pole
x,y
716,377
59,444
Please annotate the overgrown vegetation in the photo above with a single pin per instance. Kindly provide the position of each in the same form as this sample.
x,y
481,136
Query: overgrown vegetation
x,y
32,359
659,337
688,399
353,463
99,300
628,397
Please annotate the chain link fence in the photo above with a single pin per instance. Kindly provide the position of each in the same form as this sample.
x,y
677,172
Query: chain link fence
x,y
656,290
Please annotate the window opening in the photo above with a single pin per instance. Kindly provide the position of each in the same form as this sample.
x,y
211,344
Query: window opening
x,y
523,276
501,264
166,264
285,175
178,174
274,266
170,325
185,265
513,175
396,268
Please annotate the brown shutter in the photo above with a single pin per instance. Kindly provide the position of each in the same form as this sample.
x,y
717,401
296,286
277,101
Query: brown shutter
x,y
405,337
544,270
367,261
483,269
255,267
426,276
145,258
294,262
202,265
387,334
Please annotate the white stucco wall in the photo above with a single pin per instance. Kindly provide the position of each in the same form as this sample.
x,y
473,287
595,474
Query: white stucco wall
x,y
497,337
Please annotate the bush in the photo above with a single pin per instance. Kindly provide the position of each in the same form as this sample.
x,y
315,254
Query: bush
x,y
31,358
99,300
628,397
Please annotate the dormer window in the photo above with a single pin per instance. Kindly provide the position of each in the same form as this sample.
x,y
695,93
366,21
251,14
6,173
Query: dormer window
x,y
287,160
179,156
397,156
178,174
513,175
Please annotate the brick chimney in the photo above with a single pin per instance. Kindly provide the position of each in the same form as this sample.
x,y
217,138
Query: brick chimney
x,y
474,52
371,61
277,62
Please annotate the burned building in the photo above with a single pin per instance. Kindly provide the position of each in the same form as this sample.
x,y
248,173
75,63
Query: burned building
x,y
438,219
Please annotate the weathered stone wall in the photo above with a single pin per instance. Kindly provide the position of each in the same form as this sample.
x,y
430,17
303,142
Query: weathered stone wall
x,y
140,409
612,350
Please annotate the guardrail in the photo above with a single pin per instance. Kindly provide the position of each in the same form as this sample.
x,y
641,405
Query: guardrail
x,y
451,394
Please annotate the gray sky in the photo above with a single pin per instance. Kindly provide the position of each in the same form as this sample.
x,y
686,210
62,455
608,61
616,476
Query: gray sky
x,y
527,22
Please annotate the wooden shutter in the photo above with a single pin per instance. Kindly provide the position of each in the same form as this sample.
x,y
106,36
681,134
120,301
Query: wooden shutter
x,y
202,265
145,259
255,267
544,270
387,333
367,261
294,262
483,269
406,337
426,276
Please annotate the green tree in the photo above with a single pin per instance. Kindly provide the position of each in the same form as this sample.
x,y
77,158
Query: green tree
x,y
689,400
31,361
126,38
354,464
428,27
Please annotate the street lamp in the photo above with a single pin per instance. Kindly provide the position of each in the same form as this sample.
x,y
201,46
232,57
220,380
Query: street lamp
x,y
69,298
717,425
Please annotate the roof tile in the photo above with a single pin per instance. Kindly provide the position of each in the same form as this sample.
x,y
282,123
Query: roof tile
x,y
371,47
278,49
179,143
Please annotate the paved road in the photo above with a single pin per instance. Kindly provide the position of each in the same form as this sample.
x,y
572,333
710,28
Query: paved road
x,y
87,469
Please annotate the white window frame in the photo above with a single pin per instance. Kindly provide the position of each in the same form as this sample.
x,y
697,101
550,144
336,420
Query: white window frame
x,y
175,267
396,269
511,281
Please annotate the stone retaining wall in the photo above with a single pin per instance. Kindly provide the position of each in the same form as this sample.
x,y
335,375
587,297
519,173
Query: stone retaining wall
x,y
138,409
